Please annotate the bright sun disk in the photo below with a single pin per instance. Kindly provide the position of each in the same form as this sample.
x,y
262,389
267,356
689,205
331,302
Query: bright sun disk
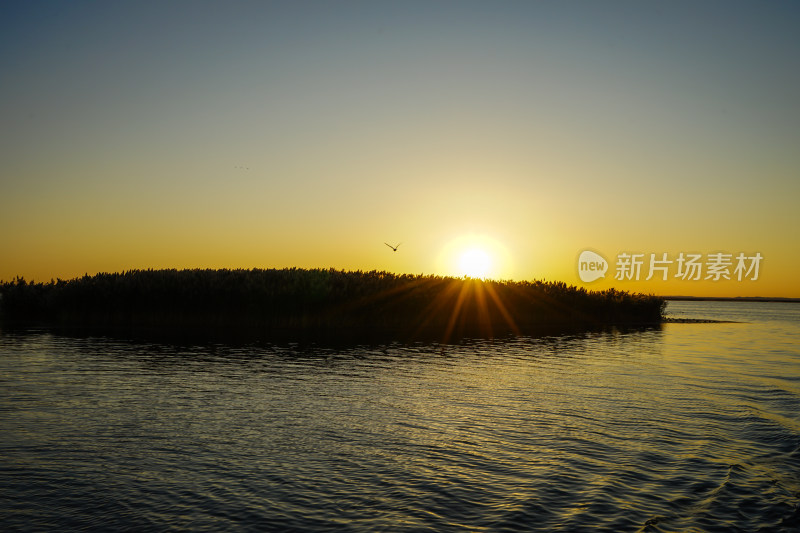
x,y
475,263
475,255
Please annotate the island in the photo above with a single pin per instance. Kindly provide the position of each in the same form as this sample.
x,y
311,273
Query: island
x,y
297,301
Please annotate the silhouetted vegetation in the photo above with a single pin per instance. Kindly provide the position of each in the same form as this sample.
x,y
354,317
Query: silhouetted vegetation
x,y
331,300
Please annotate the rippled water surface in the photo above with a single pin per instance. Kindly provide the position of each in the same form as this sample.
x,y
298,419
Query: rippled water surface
x,y
689,427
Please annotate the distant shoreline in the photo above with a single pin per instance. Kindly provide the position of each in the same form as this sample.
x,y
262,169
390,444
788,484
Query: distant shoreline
x,y
676,320
732,299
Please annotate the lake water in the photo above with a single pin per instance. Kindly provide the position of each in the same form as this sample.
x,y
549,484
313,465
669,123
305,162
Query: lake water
x,y
687,427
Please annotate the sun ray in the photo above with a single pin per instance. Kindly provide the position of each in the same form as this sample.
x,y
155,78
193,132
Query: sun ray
x,y
454,314
502,308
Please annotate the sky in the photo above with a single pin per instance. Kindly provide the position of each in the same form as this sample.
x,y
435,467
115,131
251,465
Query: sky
x,y
497,139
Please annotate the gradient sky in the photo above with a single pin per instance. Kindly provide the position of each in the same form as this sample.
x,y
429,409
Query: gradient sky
x,y
276,134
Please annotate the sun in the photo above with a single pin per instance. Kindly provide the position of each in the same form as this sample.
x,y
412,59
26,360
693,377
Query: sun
x,y
475,263
474,255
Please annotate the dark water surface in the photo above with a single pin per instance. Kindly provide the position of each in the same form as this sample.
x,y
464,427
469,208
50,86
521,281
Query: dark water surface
x,y
688,427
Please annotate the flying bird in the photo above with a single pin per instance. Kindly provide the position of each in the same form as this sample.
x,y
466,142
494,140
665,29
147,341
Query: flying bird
x,y
394,248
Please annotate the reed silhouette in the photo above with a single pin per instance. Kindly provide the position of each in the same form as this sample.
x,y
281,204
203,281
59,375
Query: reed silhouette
x,y
303,300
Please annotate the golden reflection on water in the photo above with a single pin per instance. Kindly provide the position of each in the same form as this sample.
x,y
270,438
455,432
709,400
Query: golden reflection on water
x,y
684,424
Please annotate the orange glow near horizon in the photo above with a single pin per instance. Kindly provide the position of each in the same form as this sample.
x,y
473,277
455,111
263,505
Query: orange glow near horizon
x,y
471,255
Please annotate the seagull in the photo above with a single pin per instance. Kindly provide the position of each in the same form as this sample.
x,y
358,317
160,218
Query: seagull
x,y
394,248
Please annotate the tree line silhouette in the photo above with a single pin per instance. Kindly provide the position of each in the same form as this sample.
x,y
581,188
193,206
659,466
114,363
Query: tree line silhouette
x,y
319,299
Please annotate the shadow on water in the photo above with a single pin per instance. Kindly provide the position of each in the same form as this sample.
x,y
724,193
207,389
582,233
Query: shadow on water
x,y
310,341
